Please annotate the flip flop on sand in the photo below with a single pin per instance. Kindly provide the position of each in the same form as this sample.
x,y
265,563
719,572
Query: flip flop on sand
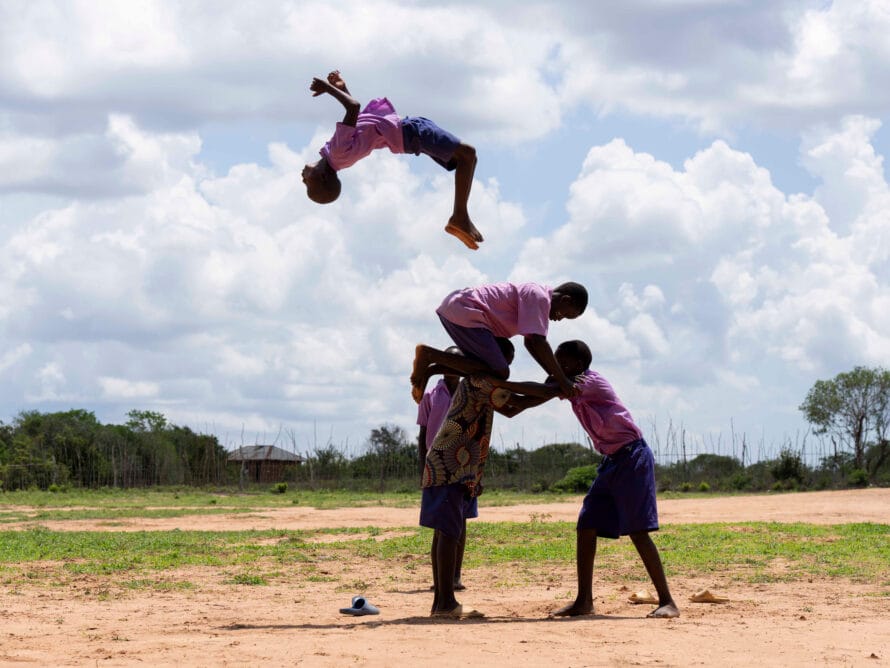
x,y
463,235
360,607
460,612
642,596
705,596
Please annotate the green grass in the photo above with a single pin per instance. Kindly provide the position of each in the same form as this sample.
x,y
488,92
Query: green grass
x,y
247,579
750,552
112,513
155,497
209,501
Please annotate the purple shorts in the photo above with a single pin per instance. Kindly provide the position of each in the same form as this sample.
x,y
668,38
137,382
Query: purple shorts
x,y
621,500
421,135
446,508
471,509
478,343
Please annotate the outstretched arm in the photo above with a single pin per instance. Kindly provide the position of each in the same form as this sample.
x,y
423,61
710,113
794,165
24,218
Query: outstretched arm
x,y
540,349
518,403
336,87
524,395
545,391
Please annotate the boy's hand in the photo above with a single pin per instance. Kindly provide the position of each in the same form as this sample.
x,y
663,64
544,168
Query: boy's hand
x,y
319,86
567,390
336,88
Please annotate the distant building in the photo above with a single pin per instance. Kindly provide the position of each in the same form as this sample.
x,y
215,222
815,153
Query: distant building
x,y
264,463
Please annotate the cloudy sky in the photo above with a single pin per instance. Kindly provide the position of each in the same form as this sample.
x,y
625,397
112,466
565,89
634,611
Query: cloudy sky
x,y
712,171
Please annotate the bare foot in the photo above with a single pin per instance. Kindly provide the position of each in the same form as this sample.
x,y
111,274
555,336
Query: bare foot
x,y
462,227
458,612
420,373
666,611
575,609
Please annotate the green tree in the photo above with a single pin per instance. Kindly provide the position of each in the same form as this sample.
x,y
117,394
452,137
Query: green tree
x,y
147,421
560,457
852,408
394,455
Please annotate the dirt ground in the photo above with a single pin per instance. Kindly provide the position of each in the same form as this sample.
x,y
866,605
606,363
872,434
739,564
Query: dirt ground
x,y
296,621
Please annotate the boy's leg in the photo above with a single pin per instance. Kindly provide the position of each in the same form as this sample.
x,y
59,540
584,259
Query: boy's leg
x,y
585,553
461,545
441,509
446,558
435,563
429,361
421,135
460,224
649,554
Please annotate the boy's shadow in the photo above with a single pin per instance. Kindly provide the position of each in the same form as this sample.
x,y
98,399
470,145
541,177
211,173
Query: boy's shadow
x,y
420,621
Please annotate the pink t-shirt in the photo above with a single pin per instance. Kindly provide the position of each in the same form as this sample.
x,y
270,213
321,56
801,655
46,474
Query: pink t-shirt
x,y
603,416
377,126
505,309
433,409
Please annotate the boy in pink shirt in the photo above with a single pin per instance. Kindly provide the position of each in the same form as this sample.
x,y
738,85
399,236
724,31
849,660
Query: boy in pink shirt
x,y
476,317
621,500
378,126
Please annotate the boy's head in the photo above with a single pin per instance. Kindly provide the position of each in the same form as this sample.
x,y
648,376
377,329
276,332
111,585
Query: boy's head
x,y
573,357
322,182
507,348
569,301
452,379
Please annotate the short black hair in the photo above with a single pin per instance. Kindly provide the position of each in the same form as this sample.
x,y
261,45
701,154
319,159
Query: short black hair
x,y
577,350
576,292
325,192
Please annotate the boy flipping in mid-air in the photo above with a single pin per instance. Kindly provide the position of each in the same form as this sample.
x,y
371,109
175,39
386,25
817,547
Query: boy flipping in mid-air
x,y
376,126
621,500
475,317
452,479
431,414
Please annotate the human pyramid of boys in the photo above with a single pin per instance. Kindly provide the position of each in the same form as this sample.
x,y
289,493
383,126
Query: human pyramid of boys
x,y
455,417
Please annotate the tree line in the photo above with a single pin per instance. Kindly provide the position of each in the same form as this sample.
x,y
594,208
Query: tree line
x,y
72,448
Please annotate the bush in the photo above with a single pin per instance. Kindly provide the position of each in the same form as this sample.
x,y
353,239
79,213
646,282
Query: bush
x,y
740,481
858,478
703,486
712,466
686,486
576,479
788,467
279,488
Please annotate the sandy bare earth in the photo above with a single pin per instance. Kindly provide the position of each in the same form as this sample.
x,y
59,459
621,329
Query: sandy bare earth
x,y
295,620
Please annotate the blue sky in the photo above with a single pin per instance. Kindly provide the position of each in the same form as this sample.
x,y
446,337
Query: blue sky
x,y
712,171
